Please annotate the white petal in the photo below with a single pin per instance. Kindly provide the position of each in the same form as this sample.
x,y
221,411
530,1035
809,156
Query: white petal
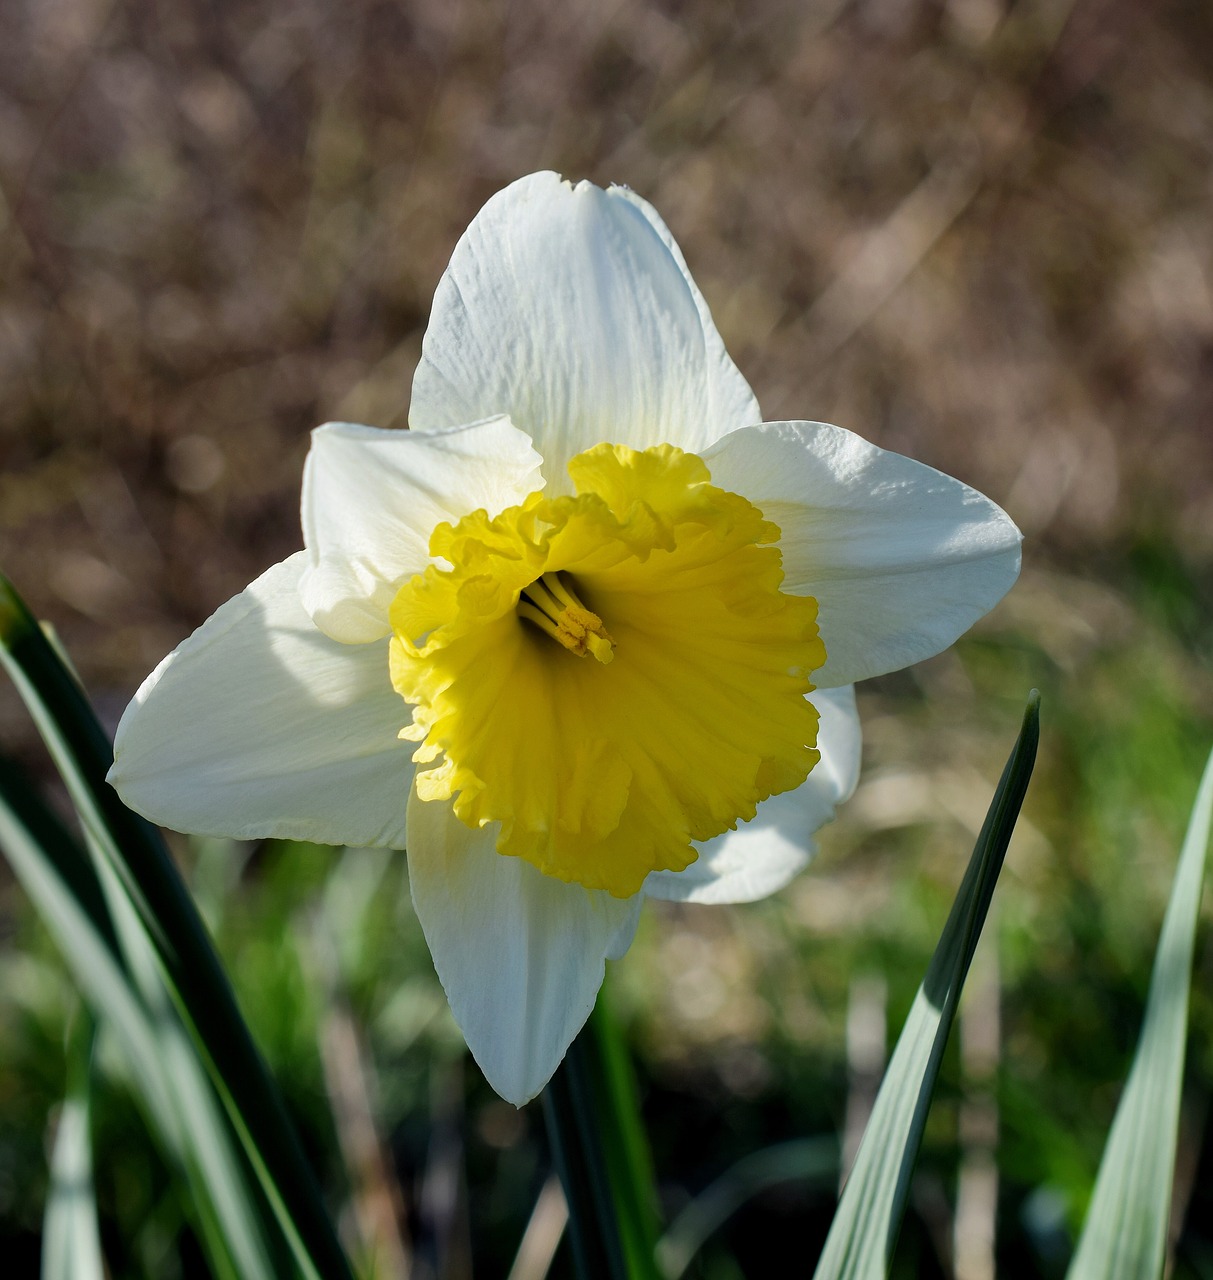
x,y
764,854
520,955
372,498
901,558
259,725
571,309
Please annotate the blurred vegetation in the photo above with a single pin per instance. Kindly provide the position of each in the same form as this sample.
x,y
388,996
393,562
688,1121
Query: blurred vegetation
x,y
974,231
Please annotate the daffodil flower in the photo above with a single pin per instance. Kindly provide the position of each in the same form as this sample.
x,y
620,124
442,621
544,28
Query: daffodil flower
x,y
585,634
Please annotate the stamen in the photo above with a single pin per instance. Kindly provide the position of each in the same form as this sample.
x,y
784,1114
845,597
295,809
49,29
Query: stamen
x,y
554,608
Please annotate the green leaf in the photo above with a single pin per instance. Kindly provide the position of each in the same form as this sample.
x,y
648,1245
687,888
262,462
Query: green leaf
x,y
864,1232
629,1158
191,969
114,967
71,1241
1125,1234
602,1155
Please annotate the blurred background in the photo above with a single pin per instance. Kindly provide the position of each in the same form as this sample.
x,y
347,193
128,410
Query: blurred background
x,y
974,231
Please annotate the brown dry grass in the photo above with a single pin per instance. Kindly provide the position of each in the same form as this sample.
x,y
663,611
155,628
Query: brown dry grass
x,y
975,233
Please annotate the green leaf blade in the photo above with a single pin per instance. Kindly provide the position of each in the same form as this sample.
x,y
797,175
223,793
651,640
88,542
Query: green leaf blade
x,y
602,1155
864,1232
185,955
1125,1233
71,1239
114,967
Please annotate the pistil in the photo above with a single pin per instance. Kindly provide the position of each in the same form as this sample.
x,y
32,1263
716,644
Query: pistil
x,y
554,608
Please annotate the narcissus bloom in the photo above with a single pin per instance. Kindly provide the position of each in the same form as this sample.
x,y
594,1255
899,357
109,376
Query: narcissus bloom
x,y
585,634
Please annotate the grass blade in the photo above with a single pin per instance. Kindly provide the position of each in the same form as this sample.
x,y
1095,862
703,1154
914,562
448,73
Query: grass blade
x,y
71,1241
191,968
1125,1234
864,1232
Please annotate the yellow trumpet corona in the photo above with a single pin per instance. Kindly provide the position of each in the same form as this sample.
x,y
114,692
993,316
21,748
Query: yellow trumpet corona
x,y
602,772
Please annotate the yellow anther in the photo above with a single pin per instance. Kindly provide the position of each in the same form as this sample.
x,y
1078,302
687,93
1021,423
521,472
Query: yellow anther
x,y
552,606
600,646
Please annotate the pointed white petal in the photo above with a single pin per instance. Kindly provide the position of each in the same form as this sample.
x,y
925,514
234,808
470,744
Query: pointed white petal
x,y
571,309
763,855
372,498
901,558
259,725
521,956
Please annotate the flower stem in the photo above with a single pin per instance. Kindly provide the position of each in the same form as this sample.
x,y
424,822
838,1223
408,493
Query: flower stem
x,y
602,1156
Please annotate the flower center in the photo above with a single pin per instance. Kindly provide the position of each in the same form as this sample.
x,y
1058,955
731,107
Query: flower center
x,y
550,603
693,710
